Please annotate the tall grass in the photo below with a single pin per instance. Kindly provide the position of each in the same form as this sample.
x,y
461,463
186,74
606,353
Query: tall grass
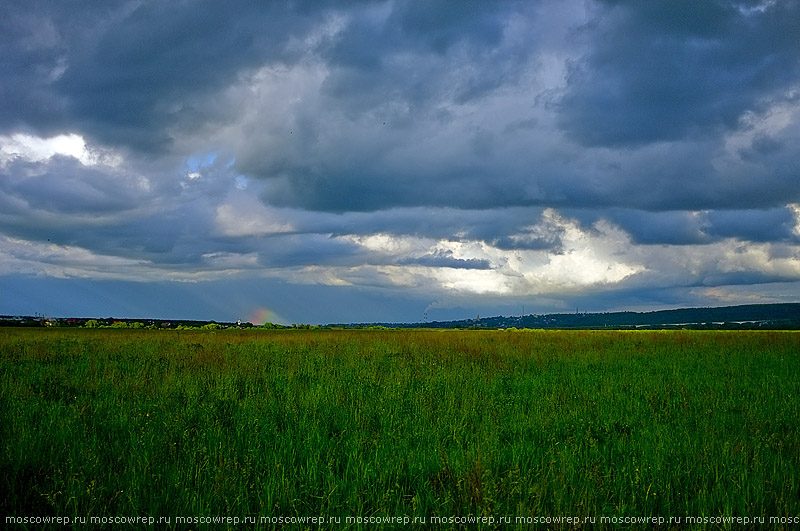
x,y
418,423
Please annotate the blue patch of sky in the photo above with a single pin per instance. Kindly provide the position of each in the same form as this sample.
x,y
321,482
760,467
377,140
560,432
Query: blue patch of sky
x,y
195,162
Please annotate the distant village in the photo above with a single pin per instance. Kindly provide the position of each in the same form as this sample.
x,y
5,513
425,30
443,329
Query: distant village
x,y
111,322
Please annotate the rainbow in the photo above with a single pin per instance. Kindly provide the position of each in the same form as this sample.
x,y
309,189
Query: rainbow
x,y
259,316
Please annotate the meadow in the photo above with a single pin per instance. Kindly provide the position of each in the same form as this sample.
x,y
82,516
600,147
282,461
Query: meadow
x,y
426,424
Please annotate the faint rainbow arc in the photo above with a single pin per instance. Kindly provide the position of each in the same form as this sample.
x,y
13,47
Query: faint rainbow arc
x,y
259,316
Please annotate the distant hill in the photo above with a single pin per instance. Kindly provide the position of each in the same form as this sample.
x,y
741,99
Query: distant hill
x,y
750,316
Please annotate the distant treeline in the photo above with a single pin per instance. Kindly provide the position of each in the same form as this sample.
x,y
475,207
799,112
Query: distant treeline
x,y
744,317
751,316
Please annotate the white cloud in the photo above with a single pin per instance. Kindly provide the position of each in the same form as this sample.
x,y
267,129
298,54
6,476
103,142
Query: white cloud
x,y
796,209
244,215
589,258
477,281
395,246
757,126
38,149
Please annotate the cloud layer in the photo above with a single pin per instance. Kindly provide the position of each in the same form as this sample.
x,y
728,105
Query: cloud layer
x,y
459,155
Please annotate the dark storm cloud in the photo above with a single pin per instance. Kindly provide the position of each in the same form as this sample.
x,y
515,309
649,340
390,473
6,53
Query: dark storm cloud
x,y
633,149
671,227
134,74
399,56
403,112
365,188
693,228
658,71
775,224
436,223
66,186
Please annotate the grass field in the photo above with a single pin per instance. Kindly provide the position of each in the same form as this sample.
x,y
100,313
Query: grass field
x,y
400,423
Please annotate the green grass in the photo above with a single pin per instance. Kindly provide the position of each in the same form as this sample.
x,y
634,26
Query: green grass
x,y
417,423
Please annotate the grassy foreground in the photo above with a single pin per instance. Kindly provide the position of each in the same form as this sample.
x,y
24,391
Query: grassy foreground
x,y
394,423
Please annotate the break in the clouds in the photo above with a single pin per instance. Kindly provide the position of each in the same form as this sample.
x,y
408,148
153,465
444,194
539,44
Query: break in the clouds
x,y
454,157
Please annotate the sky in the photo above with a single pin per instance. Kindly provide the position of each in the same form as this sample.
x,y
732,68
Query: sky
x,y
396,161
